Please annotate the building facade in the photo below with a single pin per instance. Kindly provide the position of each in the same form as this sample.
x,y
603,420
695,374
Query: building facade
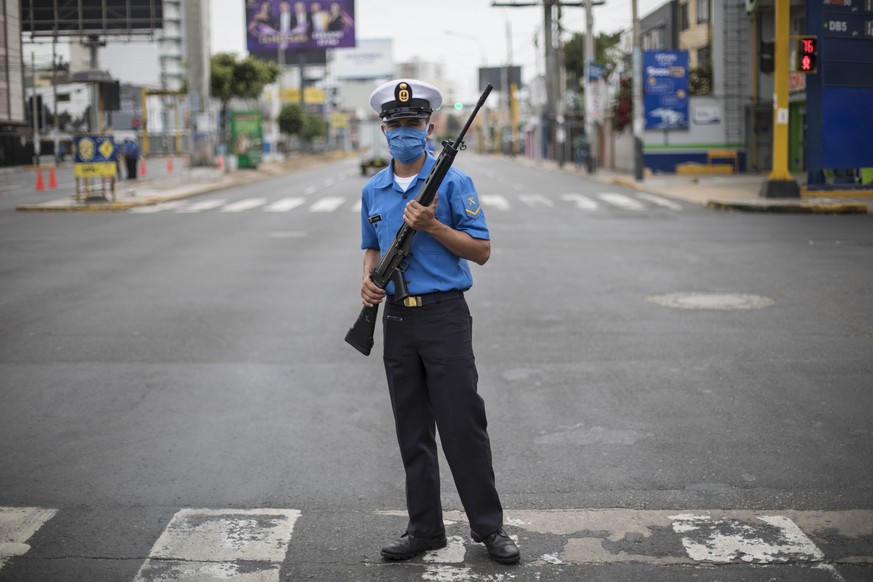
x,y
16,146
717,35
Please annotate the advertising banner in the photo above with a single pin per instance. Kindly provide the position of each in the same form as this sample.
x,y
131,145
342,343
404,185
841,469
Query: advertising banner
x,y
370,59
95,156
246,137
665,89
292,25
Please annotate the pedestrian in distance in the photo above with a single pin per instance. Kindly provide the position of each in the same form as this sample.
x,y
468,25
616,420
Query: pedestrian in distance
x,y
131,157
428,351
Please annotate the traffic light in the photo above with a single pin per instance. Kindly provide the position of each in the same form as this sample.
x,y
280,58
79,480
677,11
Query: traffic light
x,y
807,54
459,106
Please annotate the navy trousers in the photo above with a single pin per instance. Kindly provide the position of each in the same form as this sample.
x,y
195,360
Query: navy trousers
x,y
432,380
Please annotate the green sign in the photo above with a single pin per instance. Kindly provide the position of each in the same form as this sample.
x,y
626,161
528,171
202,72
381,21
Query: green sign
x,y
246,138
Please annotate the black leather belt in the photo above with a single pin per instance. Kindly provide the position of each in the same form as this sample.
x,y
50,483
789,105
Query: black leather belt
x,y
428,298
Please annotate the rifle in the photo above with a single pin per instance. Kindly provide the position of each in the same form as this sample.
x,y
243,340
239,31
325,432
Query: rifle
x,y
360,335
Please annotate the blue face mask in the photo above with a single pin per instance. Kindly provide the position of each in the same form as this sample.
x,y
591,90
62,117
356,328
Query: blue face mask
x,y
406,144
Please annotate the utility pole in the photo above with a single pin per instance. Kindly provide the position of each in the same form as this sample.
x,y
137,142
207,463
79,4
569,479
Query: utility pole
x,y
511,88
553,118
639,119
33,109
590,55
197,35
781,183
93,43
57,129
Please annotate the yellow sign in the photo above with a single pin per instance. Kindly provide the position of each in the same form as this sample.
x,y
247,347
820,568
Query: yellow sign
x,y
311,96
339,120
96,170
106,148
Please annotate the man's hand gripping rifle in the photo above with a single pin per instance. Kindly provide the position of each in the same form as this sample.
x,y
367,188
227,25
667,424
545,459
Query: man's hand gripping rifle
x,y
394,263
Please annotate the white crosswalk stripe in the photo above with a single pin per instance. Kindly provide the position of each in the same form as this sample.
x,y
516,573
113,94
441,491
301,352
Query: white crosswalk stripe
x,y
153,208
491,202
581,202
327,204
201,544
620,200
284,205
534,200
17,524
203,205
245,204
657,200
494,201
253,544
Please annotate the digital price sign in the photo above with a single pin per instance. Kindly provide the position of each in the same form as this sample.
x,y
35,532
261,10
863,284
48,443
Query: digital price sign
x,y
848,18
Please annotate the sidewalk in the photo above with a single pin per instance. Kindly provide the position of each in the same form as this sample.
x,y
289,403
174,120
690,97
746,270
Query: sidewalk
x,y
738,192
184,183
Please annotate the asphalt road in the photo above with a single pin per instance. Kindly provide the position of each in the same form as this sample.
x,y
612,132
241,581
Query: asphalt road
x,y
662,382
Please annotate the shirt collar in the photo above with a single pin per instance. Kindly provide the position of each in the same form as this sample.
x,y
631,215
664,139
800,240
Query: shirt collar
x,y
386,179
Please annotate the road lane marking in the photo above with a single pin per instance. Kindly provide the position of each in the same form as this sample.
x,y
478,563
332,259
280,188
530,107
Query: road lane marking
x,y
659,201
203,205
327,204
581,202
534,200
219,544
621,201
284,205
153,208
245,204
730,540
253,544
17,525
495,201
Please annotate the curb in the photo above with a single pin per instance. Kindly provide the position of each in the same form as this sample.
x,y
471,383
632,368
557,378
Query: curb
x,y
227,180
790,206
114,206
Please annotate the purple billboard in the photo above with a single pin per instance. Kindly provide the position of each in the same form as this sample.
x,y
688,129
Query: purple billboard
x,y
280,24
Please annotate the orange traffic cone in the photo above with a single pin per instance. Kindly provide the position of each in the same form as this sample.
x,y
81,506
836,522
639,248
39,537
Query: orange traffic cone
x,y
53,181
40,185
142,167
170,165
221,162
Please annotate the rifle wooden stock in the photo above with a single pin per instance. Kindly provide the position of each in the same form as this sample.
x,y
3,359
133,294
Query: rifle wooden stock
x,y
360,335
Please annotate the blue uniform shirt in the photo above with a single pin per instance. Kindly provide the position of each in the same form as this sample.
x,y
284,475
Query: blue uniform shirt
x,y
432,267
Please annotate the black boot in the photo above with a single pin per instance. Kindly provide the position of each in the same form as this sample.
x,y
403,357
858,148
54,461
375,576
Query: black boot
x,y
500,547
409,546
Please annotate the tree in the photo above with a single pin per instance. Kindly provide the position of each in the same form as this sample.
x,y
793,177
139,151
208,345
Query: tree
x,y
314,128
606,53
623,107
291,119
243,79
294,121
700,80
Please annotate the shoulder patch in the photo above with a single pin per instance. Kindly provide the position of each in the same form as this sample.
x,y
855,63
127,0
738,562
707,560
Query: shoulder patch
x,y
472,206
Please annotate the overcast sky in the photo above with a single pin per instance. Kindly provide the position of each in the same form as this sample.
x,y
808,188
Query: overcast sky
x,y
462,34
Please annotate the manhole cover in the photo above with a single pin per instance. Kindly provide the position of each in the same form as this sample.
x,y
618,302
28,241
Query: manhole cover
x,y
711,300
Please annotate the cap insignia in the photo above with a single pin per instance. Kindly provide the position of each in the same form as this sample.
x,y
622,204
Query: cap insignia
x,y
403,92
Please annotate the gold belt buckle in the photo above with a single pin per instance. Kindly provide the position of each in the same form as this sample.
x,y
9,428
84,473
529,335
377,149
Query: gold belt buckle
x,y
412,301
